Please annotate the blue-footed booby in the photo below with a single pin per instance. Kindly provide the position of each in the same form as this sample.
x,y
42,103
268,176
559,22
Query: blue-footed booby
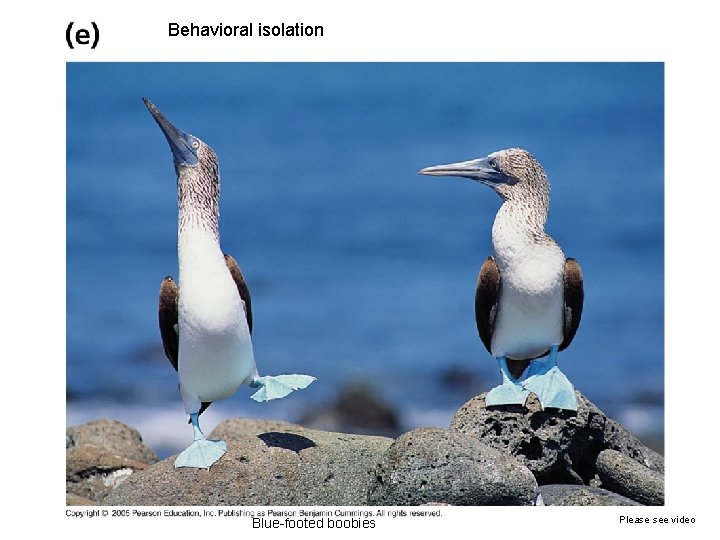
x,y
529,297
206,319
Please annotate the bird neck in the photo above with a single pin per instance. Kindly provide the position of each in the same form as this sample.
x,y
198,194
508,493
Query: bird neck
x,y
198,198
200,259
524,216
199,252
519,227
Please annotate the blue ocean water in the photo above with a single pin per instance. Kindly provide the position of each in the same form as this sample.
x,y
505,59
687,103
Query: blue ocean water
x,y
360,269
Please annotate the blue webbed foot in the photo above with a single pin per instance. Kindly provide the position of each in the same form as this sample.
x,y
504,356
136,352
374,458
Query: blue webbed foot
x,y
202,453
278,386
507,394
549,384
510,392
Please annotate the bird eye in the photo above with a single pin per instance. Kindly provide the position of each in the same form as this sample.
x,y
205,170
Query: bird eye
x,y
195,144
494,164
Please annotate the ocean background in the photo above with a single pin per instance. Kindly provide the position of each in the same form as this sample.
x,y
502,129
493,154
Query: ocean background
x,y
362,273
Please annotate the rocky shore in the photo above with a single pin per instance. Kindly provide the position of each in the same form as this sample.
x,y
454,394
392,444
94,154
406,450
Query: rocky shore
x,y
510,455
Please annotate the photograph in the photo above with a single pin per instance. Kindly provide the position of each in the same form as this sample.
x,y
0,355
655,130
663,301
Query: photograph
x,y
365,284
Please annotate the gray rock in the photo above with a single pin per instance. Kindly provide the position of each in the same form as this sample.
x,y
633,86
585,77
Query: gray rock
x,y
559,447
92,472
357,409
76,500
569,495
430,465
235,428
627,477
112,435
620,439
267,463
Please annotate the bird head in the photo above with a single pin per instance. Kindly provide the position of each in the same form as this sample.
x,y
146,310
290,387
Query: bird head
x,y
511,173
186,149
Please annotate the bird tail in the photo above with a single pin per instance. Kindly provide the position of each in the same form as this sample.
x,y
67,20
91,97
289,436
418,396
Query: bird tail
x,y
517,367
278,386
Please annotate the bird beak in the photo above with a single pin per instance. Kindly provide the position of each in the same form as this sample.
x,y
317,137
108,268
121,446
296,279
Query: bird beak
x,y
181,143
479,170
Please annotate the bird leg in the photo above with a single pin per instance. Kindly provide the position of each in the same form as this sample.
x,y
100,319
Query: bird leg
x,y
202,453
510,392
197,432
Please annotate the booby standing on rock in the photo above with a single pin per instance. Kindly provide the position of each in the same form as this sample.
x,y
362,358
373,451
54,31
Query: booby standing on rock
x,y
529,297
206,320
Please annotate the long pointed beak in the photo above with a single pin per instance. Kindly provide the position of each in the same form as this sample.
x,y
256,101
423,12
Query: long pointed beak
x,y
183,145
476,169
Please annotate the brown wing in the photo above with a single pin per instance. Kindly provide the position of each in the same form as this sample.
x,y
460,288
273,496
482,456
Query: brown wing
x,y
486,297
241,287
486,305
574,297
168,317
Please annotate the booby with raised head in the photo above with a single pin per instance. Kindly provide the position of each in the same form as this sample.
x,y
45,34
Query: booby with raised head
x,y
206,319
529,297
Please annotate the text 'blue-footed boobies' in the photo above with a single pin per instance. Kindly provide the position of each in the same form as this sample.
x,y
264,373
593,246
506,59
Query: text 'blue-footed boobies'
x,y
529,297
206,319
